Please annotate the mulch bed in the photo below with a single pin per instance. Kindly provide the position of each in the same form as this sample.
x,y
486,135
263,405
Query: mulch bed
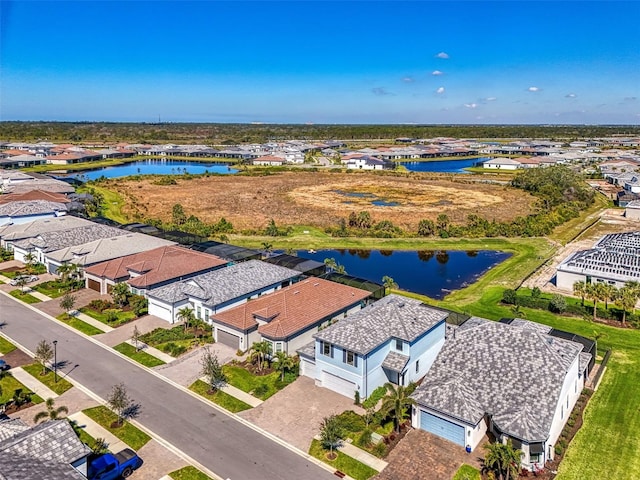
x,y
11,408
394,438
253,368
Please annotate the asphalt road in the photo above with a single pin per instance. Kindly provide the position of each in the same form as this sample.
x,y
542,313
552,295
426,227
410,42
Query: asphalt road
x,y
218,441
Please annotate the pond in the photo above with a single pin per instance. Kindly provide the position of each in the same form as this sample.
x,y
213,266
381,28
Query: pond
x,y
155,167
444,166
372,197
434,273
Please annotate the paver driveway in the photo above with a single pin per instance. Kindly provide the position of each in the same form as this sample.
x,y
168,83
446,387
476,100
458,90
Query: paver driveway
x,y
294,413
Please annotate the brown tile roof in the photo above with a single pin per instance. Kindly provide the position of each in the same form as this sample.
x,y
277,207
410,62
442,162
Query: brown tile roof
x,y
293,308
34,195
156,266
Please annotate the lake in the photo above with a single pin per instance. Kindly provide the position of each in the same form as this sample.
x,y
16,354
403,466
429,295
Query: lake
x,y
434,273
155,167
444,166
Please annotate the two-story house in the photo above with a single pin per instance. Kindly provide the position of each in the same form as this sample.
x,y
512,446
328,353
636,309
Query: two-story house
x,y
393,340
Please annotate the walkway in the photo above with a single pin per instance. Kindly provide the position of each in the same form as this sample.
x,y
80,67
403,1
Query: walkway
x,y
143,347
32,383
364,457
239,394
97,431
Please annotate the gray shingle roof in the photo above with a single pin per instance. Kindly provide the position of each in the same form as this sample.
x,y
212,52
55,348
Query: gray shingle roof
x,y
395,361
226,283
31,207
513,372
33,229
52,241
393,316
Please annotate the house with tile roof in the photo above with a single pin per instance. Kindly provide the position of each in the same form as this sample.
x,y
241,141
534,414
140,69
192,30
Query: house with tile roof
x,y
47,451
515,380
395,339
614,259
289,317
213,292
150,269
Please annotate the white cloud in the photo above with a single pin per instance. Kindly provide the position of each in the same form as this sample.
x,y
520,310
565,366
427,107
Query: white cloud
x,y
436,73
440,90
570,95
471,105
533,89
408,80
442,55
490,99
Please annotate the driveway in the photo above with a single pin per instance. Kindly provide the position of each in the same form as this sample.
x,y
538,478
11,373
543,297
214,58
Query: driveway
x,y
83,297
295,412
187,369
124,332
421,455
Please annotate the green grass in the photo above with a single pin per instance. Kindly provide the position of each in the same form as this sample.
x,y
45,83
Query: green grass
x,y
23,296
225,400
261,387
6,346
112,205
141,357
52,288
467,472
78,324
189,473
344,463
9,385
123,317
48,379
132,436
174,341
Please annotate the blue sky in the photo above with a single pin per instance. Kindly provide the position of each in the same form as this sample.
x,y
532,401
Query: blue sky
x,y
571,62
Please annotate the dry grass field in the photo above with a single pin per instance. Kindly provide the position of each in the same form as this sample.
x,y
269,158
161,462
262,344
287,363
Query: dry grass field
x,y
321,199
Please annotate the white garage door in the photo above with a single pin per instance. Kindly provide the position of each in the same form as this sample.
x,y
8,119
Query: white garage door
x,y
307,368
337,384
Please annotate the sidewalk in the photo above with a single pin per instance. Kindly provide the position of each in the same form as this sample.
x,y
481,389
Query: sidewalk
x,y
239,394
362,456
165,357
32,384
97,431
40,296
93,322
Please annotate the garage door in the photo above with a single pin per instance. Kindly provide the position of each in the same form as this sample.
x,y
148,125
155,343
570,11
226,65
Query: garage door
x,y
93,285
337,384
307,368
441,427
226,338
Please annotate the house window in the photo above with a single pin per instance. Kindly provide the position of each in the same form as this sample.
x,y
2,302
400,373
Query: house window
x,y
278,347
534,458
399,344
561,412
417,365
198,312
326,349
350,358
206,314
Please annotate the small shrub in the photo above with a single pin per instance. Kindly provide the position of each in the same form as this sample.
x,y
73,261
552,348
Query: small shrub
x,y
380,449
239,353
351,422
558,449
365,439
261,390
375,397
99,305
558,303
356,399
510,297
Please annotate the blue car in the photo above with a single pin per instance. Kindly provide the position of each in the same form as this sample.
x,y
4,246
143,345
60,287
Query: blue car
x,y
4,365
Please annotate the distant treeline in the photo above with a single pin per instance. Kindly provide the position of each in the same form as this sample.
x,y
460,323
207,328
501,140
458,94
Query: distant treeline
x,y
230,133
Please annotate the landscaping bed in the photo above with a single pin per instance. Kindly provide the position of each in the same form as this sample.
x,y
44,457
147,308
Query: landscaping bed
x,y
8,397
139,356
48,379
176,341
226,401
132,436
111,315
262,384
78,324
57,288
343,463
24,296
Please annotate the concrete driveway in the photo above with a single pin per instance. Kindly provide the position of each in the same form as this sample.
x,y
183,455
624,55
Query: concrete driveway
x,y
294,413
187,369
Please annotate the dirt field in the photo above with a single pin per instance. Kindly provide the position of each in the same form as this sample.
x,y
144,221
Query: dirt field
x,y
321,199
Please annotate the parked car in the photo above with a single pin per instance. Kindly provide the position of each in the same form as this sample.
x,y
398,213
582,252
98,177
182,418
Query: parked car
x,y
110,466
4,365
28,278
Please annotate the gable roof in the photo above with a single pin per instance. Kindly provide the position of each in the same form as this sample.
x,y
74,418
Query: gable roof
x,y
38,227
393,316
293,308
30,207
156,266
34,195
514,372
74,237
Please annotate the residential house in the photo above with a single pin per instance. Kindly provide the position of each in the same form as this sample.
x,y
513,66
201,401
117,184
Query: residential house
x,y
150,269
269,161
396,339
47,451
219,290
517,381
365,162
289,317
29,211
502,164
10,234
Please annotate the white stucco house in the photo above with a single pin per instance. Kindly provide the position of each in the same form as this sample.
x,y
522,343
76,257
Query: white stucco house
x,y
502,164
395,340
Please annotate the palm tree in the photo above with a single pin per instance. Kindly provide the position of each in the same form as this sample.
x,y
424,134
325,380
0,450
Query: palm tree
x,y
30,258
504,459
260,351
283,364
580,290
627,299
609,293
186,315
594,293
67,271
51,413
397,402
388,283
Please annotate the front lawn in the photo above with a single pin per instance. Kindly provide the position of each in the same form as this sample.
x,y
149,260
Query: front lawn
x,y
9,385
189,473
122,317
467,472
175,341
23,296
78,324
139,356
48,379
6,346
132,436
260,386
55,288
226,401
344,463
